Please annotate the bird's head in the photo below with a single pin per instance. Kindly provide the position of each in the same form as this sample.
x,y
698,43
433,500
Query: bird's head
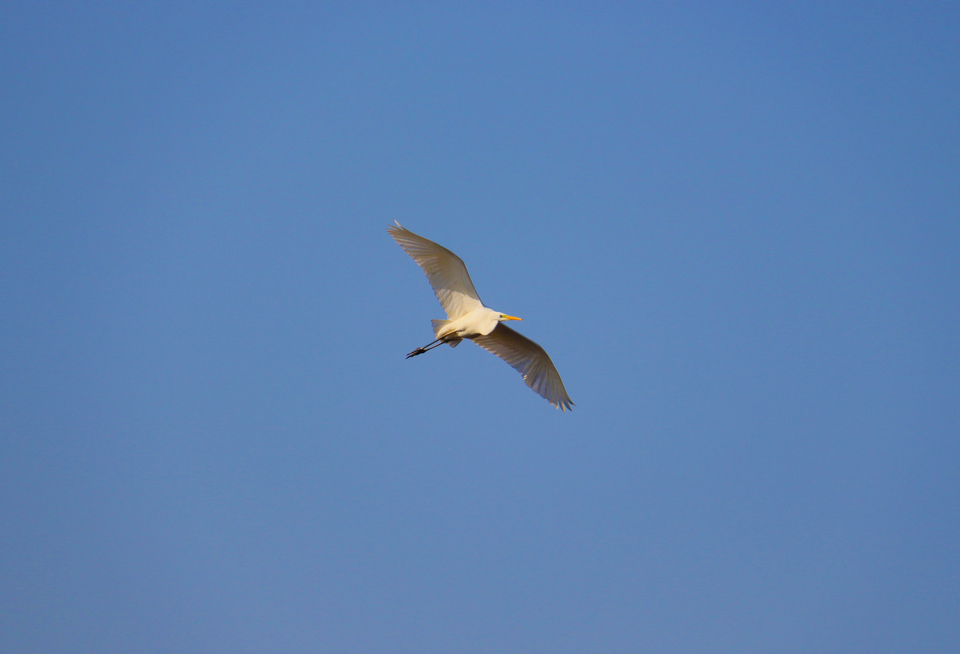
x,y
503,316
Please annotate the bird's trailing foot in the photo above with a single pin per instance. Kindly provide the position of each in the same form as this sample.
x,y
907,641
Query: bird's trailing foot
x,y
426,348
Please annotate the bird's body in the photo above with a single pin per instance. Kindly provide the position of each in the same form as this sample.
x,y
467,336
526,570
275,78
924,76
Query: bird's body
x,y
469,318
479,322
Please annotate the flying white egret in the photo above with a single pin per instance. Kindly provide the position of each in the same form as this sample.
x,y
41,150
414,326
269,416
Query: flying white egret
x,y
467,317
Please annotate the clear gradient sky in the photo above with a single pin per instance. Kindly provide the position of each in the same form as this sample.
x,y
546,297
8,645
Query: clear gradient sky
x,y
735,227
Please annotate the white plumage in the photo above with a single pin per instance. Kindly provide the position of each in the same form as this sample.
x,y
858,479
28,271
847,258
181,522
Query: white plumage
x,y
467,317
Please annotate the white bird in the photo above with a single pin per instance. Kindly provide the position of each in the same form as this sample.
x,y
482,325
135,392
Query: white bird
x,y
467,317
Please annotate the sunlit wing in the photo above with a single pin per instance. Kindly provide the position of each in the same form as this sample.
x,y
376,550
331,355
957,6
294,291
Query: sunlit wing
x,y
445,271
530,360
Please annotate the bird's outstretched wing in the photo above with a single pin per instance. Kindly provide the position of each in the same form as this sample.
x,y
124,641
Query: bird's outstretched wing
x,y
445,271
530,360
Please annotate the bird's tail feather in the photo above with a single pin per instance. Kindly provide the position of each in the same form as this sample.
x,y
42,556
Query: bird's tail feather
x,y
437,326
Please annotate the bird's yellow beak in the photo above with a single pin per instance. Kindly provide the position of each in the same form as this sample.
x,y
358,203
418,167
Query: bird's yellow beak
x,y
511,318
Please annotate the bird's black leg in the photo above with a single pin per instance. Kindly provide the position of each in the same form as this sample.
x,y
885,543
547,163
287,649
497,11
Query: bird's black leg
x,y
427,347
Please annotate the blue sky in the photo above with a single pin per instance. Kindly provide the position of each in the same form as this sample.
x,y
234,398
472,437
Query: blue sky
x,y
734,227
